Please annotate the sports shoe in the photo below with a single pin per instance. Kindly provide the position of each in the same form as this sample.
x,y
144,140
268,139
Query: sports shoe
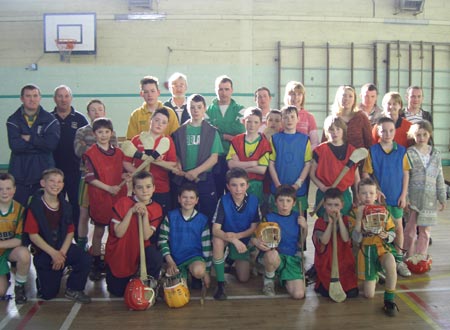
x,y
220,292
78,296
95,274
390,308
403,270
19,293
311,275
269,289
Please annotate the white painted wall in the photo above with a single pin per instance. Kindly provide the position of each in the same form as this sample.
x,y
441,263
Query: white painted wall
x,y
206,38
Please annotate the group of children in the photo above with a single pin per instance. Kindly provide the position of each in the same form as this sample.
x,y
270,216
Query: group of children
x,y
204,229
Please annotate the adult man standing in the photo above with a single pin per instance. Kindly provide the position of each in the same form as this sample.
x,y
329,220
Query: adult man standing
x,y
65,159
33,135
140,118
178,86
414,112
263,99
226,115
368,105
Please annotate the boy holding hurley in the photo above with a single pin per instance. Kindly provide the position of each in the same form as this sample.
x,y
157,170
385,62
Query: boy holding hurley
x,y
373,229
283,261
122,248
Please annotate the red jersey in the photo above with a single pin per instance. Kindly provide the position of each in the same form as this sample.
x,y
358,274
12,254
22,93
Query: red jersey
x,y
329,167
323,258
160,175
263,147
122,254
108,169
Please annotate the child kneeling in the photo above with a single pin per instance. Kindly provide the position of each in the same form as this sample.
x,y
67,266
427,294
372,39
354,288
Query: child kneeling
x,y
51,230
185,239
11,249
122,247
283,261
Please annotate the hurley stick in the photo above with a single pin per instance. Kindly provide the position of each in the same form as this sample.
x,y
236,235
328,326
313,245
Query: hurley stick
x,y
336,291
143,270
301,245
162,147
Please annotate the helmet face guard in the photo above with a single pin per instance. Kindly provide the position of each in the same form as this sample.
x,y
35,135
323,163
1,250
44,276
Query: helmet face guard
x,y
176,292
374,219
138,297
269,233
419,264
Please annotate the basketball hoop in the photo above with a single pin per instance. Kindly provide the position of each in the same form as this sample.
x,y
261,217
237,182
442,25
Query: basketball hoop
x,y
65,47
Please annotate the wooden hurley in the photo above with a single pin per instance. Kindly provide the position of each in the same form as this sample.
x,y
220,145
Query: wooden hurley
x,y
143,270
129,150
301,245
336,291
356,156
162,147
203,293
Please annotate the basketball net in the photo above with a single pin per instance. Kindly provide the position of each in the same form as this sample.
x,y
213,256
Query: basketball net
x,y
65,47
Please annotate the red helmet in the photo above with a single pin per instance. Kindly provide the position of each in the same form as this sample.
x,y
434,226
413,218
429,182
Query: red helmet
x,y
138,297
419,264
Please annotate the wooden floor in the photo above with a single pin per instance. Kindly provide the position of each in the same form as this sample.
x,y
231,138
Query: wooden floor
x,y
423,301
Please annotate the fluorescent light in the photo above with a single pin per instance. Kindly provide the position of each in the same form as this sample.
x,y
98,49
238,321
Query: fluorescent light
x,y
140,16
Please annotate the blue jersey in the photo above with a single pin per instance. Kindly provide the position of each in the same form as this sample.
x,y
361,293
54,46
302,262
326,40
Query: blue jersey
x,y
290,159
388,171
290,232
185,237
237,219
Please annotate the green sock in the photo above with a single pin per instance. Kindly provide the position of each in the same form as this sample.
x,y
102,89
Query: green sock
x,y
219,267
82,242
389,295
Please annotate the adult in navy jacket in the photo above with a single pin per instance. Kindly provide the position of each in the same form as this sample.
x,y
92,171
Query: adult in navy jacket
x,y
33,135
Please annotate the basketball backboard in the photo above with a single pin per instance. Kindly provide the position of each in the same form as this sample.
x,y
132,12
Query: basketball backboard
x,y
78,26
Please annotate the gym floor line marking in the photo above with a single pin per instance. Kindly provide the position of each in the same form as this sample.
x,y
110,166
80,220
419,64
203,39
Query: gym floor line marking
x,y
11,314
418,311
23,323
72,315
424,279
403,289
420,307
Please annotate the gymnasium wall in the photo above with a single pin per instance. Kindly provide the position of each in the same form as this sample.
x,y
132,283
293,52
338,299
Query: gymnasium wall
x,y
254,42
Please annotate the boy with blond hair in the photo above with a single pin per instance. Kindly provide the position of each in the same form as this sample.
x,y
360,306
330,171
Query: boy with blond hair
x,y
389,167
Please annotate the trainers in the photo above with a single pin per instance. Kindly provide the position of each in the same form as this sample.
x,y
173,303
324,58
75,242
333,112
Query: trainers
x,y
95,274
390,308
402,269
311,275
269,289
220,293
19,293
78,296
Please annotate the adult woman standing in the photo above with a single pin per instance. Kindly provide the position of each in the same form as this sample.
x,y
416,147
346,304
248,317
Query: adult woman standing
x,y
295,95
392,104
359,131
